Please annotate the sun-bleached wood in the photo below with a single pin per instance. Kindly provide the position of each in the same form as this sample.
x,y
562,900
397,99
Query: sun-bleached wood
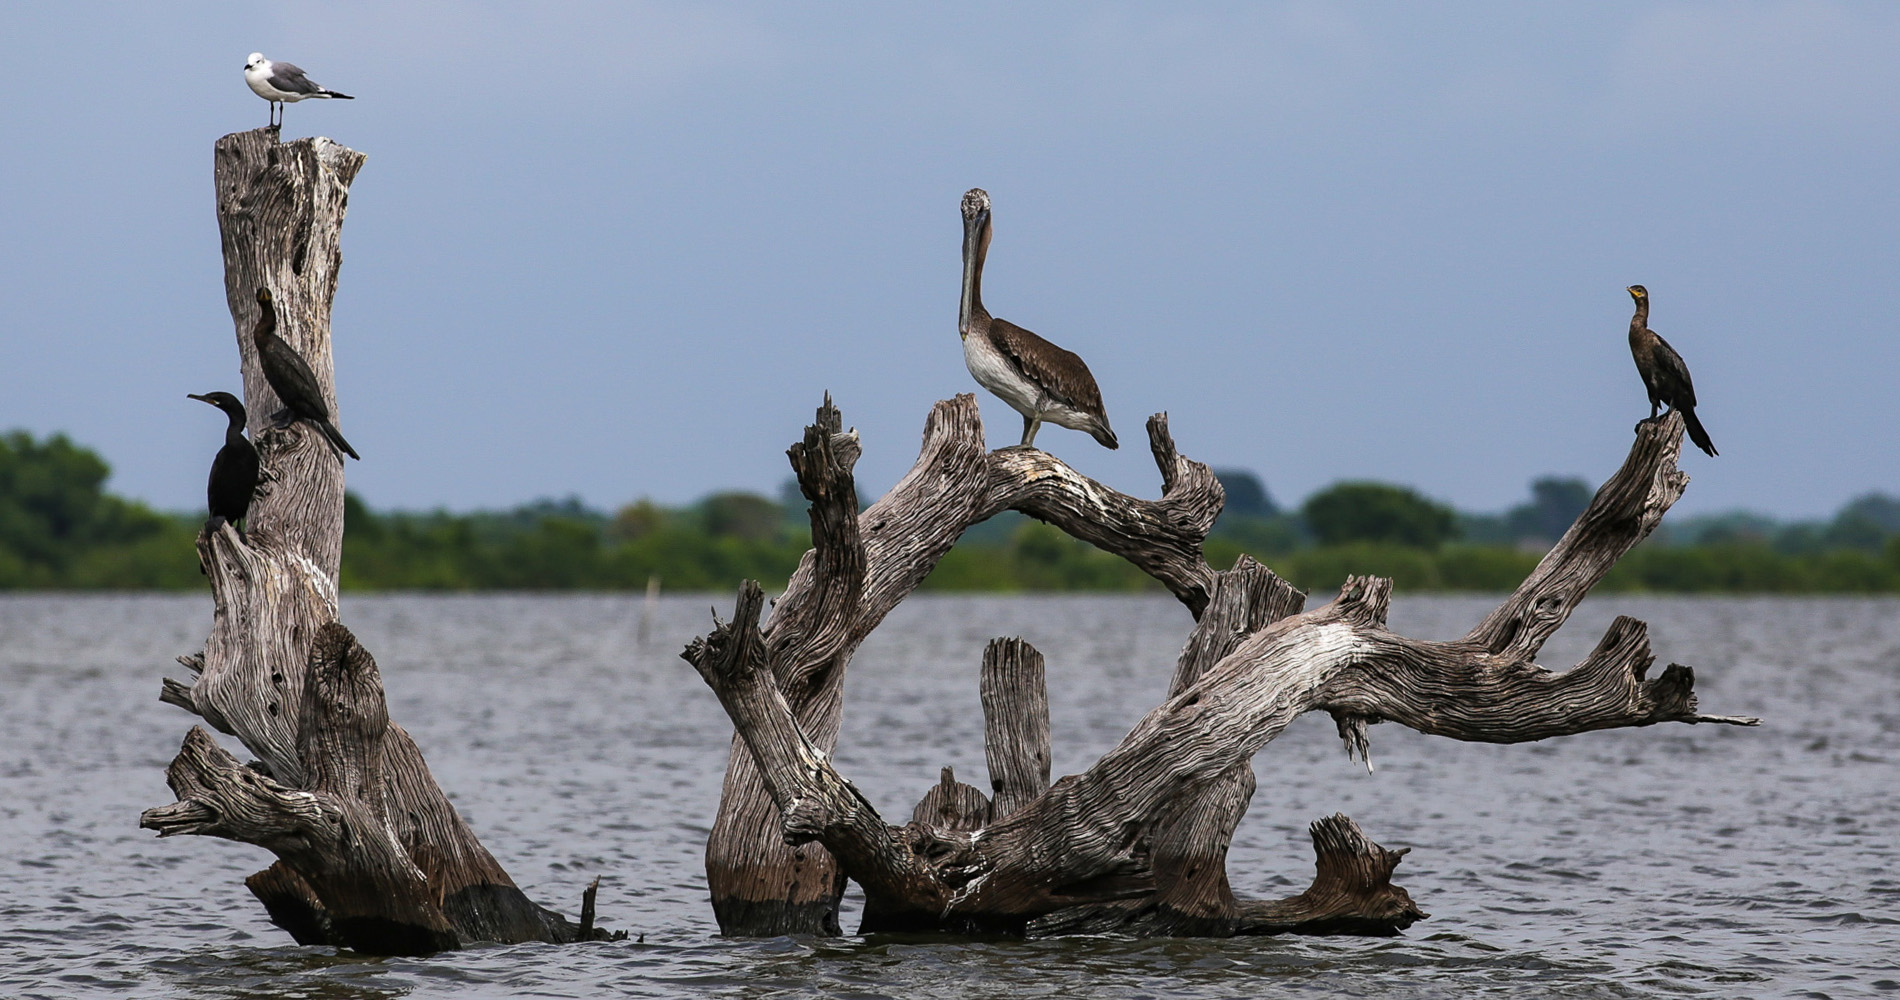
x,y
1088,844
762,886
1015,723
1189,850
952,805
371,853
280,217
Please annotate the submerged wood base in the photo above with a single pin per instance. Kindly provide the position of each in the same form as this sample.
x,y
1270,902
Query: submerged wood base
x,y
776,917
367,859
1352,894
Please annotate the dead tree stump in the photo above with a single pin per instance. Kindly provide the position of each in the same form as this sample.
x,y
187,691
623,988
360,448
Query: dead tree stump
x,y
1138,842
1015,724
371,854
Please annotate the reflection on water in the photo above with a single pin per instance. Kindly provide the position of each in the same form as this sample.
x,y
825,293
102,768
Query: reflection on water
x,y
1668,861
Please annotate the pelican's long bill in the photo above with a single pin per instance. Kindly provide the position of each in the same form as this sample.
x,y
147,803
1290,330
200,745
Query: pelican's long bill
x,y
972,261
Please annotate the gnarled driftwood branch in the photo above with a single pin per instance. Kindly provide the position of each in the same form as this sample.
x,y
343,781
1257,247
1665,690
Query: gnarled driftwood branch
x,y
1127,844
761,885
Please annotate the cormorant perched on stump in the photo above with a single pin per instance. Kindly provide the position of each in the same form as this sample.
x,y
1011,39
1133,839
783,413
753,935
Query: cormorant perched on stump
x,y
1664,374
1038,379
291,379
234,472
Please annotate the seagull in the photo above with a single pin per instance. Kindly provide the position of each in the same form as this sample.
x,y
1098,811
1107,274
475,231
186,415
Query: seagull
x,y
281,83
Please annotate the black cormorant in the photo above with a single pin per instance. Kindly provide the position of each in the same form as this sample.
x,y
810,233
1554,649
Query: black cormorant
x,y
234,472
1038,379
1664,374
290,377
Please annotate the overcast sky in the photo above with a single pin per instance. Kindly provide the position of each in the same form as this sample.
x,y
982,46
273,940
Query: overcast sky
x,y
622,250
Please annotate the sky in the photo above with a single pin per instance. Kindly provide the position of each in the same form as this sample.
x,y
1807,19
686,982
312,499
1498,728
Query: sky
x,y
622,250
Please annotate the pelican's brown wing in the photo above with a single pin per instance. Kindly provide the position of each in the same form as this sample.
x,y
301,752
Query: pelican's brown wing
x,y
1059,373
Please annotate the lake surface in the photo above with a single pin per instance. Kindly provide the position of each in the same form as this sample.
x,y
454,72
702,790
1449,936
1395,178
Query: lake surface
x,y
1667,861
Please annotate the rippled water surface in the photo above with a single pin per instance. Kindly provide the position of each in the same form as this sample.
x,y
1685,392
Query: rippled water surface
x,y
1668,861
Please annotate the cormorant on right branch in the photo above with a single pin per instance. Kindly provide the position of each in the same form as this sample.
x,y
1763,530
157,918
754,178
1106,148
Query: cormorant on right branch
x,y
1038,379
291,379
234,472
1664,374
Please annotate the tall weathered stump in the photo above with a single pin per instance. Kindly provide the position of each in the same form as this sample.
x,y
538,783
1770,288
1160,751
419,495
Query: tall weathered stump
x,y
371,854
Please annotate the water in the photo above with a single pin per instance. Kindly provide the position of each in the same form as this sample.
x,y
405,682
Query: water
x,y
1668,861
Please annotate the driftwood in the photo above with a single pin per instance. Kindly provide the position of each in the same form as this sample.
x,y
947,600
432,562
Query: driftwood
x,y
371,854
863,564
1137,843
1015,724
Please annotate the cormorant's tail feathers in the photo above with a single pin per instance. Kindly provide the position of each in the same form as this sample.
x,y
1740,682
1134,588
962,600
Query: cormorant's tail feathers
x,y
336,438
1696,433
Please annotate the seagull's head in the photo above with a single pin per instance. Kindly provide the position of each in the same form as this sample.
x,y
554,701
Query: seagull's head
x,y
255,60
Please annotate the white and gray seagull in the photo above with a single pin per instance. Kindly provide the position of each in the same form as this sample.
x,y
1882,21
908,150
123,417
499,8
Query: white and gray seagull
x,y
281,83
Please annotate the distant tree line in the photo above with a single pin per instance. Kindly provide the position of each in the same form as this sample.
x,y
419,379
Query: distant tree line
x,y
61,529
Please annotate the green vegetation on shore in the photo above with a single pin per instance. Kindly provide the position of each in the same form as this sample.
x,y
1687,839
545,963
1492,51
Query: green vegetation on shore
x,y
60,529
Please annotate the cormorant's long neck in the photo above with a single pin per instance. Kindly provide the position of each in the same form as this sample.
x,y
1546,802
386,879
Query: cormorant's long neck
x,y
266,321
234,431
976,246
1640,321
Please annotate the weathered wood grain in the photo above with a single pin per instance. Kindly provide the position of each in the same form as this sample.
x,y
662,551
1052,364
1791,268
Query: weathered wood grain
x,y
952,805
332,831
1088,845
1352,892
761,885
371,853
1015,723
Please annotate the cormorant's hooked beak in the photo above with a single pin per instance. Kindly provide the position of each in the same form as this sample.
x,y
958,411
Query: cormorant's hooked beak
x,y
973,227
201,399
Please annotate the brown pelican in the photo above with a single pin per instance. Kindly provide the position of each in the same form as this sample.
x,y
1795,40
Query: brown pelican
x,y
1037,378
1664,374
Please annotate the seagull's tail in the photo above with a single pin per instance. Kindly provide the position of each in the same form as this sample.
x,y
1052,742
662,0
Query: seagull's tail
x,y
340,97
